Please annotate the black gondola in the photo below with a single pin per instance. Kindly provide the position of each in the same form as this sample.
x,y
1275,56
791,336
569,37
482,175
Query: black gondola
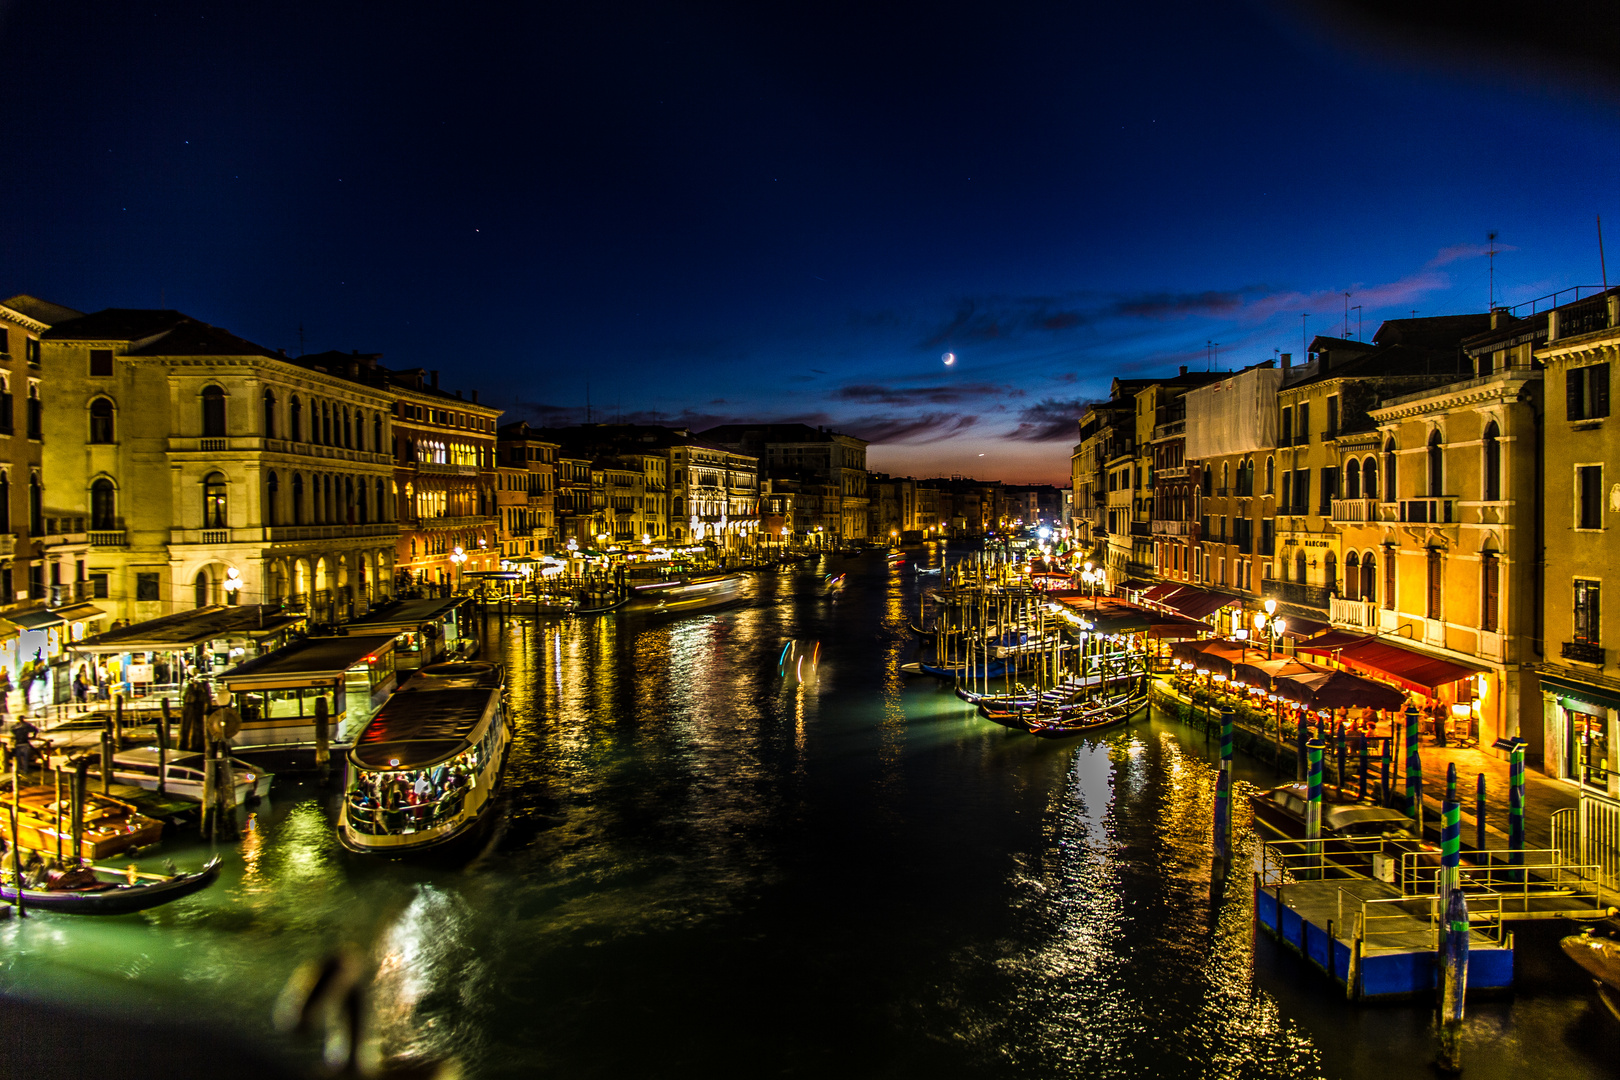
x,y
113,894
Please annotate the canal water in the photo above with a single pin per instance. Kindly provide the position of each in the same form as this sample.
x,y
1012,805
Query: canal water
x,y
721,860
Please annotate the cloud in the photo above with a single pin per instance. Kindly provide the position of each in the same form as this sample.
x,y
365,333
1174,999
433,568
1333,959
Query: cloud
x,y
1167,305
1049,420
928,427
923,395
1457,252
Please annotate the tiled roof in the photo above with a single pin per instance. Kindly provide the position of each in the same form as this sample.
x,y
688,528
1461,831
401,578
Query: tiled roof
x,y
192,338
116,324
41,310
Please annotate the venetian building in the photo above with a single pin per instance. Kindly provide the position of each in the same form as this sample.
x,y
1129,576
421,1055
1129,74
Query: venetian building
x,y
1437,515
210,470
1580,669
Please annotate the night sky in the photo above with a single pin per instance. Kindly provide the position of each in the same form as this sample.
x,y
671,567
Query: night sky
x,y
785,211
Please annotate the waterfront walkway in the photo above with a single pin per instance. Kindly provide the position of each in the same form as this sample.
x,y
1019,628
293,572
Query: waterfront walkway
x,y
1542,795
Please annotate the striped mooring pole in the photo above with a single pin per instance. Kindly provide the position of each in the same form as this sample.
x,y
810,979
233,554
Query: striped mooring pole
x,y
1450,850
1414,770
1479,812
1453,981
1516,803
1226,739
1338,772
1302,736
1223,821
1313,808
1366,767
1451,782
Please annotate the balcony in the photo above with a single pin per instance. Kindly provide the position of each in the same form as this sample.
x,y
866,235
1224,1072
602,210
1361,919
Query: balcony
x,y
444,468
1141,528
1358,614
1437,510
1165,431
280,534
1354,511
1297,593
1162,527
109,538
1582,652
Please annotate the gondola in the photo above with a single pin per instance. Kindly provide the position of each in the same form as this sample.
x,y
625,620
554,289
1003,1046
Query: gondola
x,y
1086,719
113,894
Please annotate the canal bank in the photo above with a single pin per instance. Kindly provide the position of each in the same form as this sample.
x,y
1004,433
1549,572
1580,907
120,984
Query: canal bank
x,y
713,867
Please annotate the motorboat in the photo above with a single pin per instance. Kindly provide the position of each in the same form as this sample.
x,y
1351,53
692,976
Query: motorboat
x,y
95,890
1600,957
1281,812
183,774
45,824
424,773
687,594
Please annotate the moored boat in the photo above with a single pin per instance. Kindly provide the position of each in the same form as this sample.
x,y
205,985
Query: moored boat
x,y
1089,717
45,824
183,774
93,890
1279,812
1600,957
424,773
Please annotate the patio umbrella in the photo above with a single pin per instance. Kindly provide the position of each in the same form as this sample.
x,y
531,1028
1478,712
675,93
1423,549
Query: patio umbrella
x,y
1322,689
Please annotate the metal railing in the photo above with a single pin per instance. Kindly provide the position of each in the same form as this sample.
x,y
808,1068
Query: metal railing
x,y
1354,510
1358,613
1588,834
1543,874
1435,510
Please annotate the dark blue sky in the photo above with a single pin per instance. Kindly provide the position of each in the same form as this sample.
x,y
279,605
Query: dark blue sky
x,y
776,210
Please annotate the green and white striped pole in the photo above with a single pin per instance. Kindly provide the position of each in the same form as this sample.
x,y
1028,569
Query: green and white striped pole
x,y
1414,771
1313,808
1450,850
1479,813
1451,782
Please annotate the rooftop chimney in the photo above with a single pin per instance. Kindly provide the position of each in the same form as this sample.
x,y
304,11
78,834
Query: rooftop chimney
x,y
434,378
1184,369
475,397
1287,360
458,395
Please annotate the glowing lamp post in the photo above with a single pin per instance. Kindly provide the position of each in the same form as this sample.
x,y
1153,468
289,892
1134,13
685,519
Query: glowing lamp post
x,y
232,584
1271,625
457,557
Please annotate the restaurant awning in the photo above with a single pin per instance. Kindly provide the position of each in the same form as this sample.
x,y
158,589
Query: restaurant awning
x,y
1197,603
1217,655
1382,658
1174,626
1338,690
78,612
36,620
1330,643
1159,592
1300,629
1262,672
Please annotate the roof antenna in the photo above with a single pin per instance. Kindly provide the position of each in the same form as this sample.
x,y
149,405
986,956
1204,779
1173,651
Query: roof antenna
x,y
587,401
300,339
1346,314
1491,236
1603,266
1304,338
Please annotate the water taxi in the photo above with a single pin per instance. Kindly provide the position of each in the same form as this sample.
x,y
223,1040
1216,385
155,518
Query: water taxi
x,y
277,694
423,774
183,774
686,594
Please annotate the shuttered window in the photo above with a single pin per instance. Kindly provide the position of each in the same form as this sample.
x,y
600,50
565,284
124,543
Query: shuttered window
x,y
1491,593
1587,392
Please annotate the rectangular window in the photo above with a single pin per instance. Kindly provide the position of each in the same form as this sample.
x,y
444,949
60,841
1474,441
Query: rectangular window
x,y
1589,497
1268,537
1304,422
101,362
1587,392
146,586
98,586
1286,430
1302,491
1587,612
1490,588
5,350
1436,582
1389,579
1330,488
1287,501
32,348
1332,418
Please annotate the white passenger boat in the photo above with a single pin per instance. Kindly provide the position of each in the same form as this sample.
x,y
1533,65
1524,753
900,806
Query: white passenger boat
x,y
424,773
691,594
184,774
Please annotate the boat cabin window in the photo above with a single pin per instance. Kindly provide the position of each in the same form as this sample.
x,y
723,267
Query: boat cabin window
x,y
289,703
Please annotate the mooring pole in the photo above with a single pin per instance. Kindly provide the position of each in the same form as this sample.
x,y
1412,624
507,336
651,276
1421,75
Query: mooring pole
x,y
163,749
106,761
16,834
1414,771
1453,981
1516,806
1313,809
1479,812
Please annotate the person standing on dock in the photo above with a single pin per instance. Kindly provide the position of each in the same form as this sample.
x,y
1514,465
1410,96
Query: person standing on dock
x,y
22,745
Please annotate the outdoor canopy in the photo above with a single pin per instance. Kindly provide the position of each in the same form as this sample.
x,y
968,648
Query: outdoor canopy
x,y
1385,659
1338,690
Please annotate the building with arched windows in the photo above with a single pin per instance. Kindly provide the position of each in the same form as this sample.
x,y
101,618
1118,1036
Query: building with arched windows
x,y
186,467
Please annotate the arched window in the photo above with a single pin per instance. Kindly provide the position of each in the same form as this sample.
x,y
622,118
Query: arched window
x,y
215,511
1437,464
677,505
1352,481
326,423
1369,577
1391,472
376,434
361,498
382,504
331,507
1493,463
298,499
5,501
103,505
348,501
101,420
36,506
348,429
199,589
272,499
213,412
1352,576
1330,572
295,419
1226,479
1271,475
1369,477
1299,566
269,414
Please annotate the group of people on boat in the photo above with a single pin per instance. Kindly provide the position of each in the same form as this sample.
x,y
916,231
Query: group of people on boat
x,y
418,798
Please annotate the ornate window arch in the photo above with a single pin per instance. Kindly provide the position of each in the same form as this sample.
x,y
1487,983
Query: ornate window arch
x,y
213,412
102,426
103,504
269,413
216,505
1493,462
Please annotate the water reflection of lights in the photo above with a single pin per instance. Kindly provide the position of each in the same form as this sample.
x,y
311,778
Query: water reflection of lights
x,y
425,965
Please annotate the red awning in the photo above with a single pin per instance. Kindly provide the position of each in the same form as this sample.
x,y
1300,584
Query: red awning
x,y
1173,626
1331,642
1406,667
1300,629
1159,592
1196,603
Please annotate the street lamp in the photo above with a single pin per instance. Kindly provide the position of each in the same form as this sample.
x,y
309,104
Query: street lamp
x,y
1270,625
232,582
457,557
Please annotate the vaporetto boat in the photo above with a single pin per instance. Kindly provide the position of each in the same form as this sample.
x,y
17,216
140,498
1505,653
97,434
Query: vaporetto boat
x,y
424,773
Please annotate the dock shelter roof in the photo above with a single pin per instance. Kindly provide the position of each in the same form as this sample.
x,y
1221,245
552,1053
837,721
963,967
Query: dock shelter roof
x,y
309,661
187,629
404,615
419,728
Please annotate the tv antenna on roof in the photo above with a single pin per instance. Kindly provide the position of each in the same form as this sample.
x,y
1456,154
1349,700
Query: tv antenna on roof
x,y
1304,337
1346,314
1491,251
